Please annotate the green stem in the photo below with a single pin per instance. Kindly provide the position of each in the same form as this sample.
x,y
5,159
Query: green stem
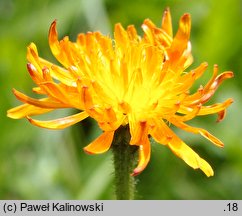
x,y
124,156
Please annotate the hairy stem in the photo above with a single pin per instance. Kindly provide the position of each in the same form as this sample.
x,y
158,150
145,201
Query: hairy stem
x,y
125,156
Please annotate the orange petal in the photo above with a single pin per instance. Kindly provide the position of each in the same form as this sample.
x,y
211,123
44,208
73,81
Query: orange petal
x,y
81,40
121,36
43,103
101,144
206,110
138,131
110,114
62,50
196,97
190,115
200,70
156,36
215,108
195,74
201,131
210,137
56,91
147,27
111,126
60,123
33,57
166,24
221,115
190,157
26,110
181,39
38,90
144,157
46,74
132,32
210,92
183,151
34,73
210,82
210,88
53,39
125,107
183,33
61,74
187,56
86,97
157,132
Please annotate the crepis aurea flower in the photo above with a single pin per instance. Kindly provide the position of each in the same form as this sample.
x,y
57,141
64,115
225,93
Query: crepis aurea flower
x,y
131,80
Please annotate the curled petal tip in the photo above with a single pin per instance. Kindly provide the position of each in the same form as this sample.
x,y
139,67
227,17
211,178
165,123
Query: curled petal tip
x,y
167,9
221,116
231,74
229,101
144,157
186,17
53,26
136,172
53,39
31,68
29,119
14,91
54,22
53,31
88,152
209,173
205,64
226,75
185,23
32,46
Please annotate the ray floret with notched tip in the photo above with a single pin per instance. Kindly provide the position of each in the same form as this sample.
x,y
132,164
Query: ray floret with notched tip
x,y
137,81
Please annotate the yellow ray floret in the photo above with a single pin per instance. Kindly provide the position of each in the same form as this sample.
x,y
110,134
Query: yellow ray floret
x,y
138,81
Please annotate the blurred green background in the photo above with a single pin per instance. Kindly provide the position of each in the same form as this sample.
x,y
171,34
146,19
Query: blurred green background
x,y
40,164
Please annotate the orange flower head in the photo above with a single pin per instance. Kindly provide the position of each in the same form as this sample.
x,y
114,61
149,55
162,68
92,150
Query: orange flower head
x,y
131,80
